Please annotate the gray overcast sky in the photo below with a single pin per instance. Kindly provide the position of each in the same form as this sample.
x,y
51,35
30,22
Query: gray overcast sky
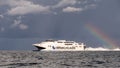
x,y
24,22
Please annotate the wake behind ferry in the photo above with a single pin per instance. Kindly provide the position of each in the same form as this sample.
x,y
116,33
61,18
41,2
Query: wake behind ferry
x,y
59,45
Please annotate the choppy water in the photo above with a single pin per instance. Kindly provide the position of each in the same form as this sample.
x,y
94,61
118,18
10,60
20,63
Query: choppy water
x,y
87,59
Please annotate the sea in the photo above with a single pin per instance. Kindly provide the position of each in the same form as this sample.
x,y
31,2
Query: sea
x,y
59,59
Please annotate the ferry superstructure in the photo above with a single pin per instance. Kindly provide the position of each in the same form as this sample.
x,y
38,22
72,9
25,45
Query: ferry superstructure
x,y
59,45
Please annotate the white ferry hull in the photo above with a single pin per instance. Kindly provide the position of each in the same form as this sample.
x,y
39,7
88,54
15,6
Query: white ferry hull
x,y
59,50
60,46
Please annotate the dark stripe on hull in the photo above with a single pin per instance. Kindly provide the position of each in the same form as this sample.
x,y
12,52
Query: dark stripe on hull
x,y
39,48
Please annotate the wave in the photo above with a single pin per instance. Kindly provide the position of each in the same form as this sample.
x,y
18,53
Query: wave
x,y
102,49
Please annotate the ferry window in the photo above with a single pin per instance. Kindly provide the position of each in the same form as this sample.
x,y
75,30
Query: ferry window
x,y
68,44
59,42
49,40
49,45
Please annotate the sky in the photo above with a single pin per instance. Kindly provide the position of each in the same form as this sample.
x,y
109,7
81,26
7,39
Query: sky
x,y
24,22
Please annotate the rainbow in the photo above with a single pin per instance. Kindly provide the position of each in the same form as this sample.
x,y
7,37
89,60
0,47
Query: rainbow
x,y
106,41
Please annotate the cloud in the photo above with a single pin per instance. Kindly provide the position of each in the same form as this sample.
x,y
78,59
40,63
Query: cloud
x,y
22,7
63,3
3,2
22,10
23,26
18,24
1,16
84,5
72,9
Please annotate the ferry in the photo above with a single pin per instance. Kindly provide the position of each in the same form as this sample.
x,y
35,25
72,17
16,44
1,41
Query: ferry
x,y
59,45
